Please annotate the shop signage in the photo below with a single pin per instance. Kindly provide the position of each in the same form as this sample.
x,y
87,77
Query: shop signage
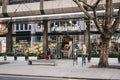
x,y
79,26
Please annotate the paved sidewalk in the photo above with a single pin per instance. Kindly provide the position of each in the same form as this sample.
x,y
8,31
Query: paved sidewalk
x,y
63,69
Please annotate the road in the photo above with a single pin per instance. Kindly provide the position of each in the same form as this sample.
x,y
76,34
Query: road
x,y
32,78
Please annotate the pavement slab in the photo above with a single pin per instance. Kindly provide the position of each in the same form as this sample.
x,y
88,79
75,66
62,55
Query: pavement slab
x,y
63,69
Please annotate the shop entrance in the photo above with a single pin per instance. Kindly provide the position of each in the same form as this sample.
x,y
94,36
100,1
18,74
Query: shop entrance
x,y
61,47
66,47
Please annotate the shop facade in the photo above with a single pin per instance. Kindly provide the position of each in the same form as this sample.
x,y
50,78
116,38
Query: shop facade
x,y
40,25
62,35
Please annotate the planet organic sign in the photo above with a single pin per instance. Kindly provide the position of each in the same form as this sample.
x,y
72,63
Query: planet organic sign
x,y
80,25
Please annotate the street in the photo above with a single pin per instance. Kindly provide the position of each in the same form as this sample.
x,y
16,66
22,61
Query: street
x,y
32,78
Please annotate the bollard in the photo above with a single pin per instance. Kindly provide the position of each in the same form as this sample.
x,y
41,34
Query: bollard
x,y
26,57
119,58
15,56
89,57
5,57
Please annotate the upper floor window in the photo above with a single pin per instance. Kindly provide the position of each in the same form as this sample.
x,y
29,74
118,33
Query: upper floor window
x,y
29,27
26,26
22,27
17,26
24,1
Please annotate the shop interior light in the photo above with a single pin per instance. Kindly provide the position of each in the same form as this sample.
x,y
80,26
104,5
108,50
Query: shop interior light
x,y
70,22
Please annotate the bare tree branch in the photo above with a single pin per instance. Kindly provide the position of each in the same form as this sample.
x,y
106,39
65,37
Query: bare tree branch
x,y
116,22
85,3
82,9
108,15
96,4
88,15
100,29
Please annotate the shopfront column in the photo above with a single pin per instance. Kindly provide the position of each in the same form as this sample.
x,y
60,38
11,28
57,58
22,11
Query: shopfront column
x,y
33,26
87,40
59,42
87,37
45,36
4,7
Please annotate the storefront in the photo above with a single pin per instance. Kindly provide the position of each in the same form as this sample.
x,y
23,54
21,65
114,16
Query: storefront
x,y
62,35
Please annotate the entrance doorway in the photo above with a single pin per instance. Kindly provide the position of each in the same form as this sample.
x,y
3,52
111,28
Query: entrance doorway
x,y
66,46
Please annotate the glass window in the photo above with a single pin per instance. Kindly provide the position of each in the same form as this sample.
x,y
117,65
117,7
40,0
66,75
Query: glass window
x,y
26,27
29,27
21,26
38,38
17,26
23,1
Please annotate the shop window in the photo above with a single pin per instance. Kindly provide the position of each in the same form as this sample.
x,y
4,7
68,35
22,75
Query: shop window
x,y
17,26
11,2
29,27
38,39
26,27
21,26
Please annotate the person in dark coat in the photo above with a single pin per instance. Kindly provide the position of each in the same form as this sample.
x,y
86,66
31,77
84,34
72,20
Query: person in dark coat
x,y
48,54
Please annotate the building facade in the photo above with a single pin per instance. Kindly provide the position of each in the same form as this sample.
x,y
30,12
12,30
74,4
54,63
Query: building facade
x,y
52,23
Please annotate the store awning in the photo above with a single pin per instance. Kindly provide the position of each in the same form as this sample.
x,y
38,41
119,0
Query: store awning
x,y
53,16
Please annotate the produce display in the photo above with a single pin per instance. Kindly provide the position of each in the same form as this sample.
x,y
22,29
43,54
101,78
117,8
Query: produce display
x,y
38,48
52,45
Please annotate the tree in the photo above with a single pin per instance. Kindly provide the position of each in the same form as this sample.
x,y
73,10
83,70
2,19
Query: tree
x,y
9,39
106,30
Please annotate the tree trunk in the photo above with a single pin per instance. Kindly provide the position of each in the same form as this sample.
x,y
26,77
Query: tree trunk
x,y
9,41
45,37
103,62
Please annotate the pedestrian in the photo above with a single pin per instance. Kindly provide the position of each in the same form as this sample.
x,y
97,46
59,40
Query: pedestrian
x,y
84,51
48,54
